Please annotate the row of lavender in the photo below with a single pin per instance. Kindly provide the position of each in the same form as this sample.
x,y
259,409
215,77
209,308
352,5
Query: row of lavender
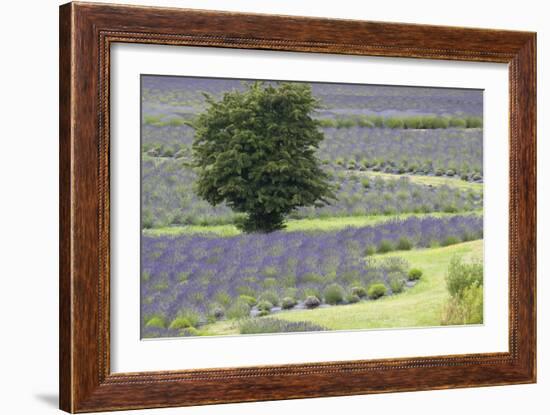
x,y
199,274
168,197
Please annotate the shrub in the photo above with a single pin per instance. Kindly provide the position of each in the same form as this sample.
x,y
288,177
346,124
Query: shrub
x,y
218,312
270,296
334,294
352,298
414,274
385,246
450,172
238,309
370,250
180,323
191,316
461,276
465,310
359,291
404,244
312,302
477,177
397,282
376,290
157,322
288,303
264,305
248,299
272,325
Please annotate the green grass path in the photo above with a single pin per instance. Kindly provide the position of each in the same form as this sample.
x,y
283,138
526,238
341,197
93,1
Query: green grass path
x,y
419,306
316,224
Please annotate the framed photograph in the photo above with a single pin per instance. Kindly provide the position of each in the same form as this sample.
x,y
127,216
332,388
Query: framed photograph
x,y
258,207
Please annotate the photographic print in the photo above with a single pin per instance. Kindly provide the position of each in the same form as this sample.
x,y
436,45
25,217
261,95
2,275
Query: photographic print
x,y
272,206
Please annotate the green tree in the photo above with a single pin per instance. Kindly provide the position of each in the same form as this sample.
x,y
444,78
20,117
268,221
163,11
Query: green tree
x,y
255,151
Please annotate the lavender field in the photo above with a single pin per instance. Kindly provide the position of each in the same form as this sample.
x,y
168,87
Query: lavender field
x,y
387,151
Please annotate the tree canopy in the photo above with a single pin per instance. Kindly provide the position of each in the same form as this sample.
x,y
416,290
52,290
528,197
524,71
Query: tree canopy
x,y
255,150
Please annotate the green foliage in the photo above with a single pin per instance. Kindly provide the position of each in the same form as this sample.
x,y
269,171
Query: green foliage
x,y
239,309
270,296
404,244
450,240
461,275
288,303
255,151
414,274
312,302
359,291
385,246
157,322
465,310
264,305
180,323
334,294
376,290
397,282
352,298
248,299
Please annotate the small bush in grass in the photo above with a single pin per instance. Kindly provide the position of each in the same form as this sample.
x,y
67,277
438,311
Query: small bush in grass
x,y
370,250
263,313
352,298
404,244
397,282
270,296
334,294
272,325
157,322
376,290
476,177
450,240
385,246
414,274
239,309
288,303
218,312
359,291
248,299
460,276
365,183
191,316
264,305
180,323
312,302
450,172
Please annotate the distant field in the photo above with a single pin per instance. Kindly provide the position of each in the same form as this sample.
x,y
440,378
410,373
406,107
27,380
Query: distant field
x,y
419,306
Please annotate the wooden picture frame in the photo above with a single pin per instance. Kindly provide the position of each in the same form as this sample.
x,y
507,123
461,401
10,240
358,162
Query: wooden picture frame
x,y
86,33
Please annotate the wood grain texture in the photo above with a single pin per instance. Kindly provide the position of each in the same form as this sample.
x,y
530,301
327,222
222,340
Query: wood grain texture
x,y
86,33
